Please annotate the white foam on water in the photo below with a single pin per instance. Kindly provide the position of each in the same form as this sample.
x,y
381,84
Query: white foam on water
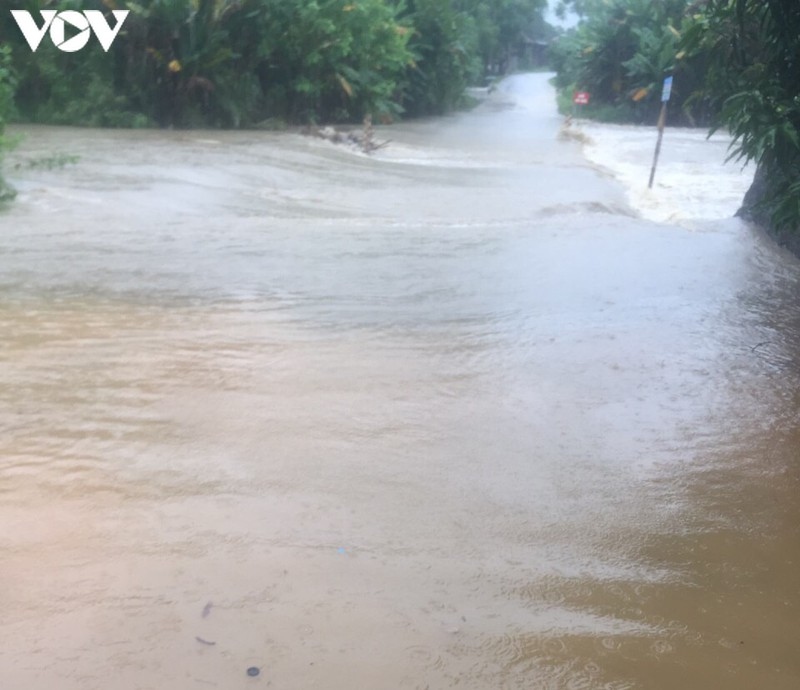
x,y
692,181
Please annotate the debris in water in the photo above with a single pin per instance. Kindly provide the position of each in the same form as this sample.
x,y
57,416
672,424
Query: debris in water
x,y
253,671
364,140
207,609
202,641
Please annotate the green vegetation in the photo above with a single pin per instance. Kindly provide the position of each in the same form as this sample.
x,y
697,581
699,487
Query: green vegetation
x,y
238,63
6,107
231,63
621,51
262,63
735,65
752,49
456,43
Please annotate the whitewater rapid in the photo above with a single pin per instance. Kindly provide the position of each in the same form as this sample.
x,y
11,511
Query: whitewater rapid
x,y
694,181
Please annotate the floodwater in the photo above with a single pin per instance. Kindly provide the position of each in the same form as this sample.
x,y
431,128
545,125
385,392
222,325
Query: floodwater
x,y
454,415
693,183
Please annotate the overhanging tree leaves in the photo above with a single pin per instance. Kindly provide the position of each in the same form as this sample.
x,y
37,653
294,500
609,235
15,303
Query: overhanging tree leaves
x,y
752,48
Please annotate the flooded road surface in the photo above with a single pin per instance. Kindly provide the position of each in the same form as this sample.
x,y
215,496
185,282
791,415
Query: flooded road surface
x,y
451,416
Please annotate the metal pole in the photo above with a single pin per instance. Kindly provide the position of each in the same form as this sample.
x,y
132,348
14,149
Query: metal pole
x,y
662,120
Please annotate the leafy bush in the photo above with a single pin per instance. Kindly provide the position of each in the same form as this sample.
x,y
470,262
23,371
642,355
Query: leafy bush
x,y
7,84
233,63
444,44
752,48
622,51
220,63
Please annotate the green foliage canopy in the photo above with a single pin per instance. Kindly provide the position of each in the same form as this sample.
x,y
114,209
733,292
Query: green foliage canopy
x,y
220,63
621,51
752,49
232,63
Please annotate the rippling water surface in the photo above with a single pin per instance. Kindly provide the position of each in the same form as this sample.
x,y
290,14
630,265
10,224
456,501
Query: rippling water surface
x,y
450,416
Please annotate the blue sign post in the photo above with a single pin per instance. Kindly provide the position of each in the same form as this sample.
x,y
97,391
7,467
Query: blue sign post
x,y
666,92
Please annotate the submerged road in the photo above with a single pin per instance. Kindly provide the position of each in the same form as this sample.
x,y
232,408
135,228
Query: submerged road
x,y
447,416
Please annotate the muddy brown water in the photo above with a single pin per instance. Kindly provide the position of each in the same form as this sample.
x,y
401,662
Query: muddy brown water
x,y
451,416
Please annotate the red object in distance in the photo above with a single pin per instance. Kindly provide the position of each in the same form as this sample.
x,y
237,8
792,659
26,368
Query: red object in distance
x,y
581,98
